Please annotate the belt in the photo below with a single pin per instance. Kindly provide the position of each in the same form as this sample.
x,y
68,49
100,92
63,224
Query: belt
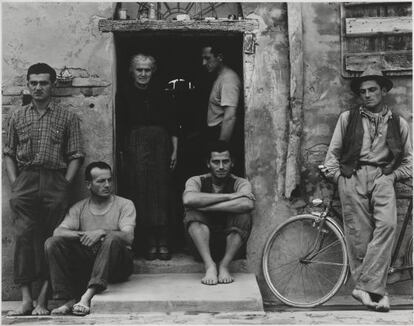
x,y
40,168
371,164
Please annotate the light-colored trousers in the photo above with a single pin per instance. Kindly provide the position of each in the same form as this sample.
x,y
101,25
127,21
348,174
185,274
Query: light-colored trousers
x,y
370,221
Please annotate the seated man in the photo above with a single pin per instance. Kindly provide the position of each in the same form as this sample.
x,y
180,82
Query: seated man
x,y
92,246
218,202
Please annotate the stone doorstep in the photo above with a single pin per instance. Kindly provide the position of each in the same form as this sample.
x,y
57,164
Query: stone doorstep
x,y
180,263
179,292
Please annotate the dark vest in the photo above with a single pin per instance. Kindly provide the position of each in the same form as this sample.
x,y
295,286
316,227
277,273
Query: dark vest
x,y
352,143
207,185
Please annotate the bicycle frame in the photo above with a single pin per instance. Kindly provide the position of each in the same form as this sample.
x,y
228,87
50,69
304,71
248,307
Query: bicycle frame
x,y
329,210
407,218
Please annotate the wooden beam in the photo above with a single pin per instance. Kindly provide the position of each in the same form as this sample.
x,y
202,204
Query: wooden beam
x,y
357,4
109,25
375,25
389,61
295,31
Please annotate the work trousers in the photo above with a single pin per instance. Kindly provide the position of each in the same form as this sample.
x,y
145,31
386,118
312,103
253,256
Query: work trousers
x,y
220,226
370,220
39,200
75,267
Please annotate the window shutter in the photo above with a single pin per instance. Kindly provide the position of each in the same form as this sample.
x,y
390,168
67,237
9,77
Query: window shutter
x,y
376,33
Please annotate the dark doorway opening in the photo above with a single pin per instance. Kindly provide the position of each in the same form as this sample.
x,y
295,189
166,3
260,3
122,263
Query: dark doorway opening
x,y
178,56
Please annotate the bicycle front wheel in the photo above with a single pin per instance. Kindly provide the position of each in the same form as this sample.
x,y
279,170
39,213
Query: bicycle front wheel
x,y
305,267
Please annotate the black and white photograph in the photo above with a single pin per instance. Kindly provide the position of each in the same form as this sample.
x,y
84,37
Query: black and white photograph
x,y
207,163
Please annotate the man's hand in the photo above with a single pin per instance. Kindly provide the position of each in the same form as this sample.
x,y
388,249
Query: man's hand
x,y
173,160
89,238
323,169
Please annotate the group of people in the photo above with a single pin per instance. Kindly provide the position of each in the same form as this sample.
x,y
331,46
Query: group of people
x,y
78,251
151,142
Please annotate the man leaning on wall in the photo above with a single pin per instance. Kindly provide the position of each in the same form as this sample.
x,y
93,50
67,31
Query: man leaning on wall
x,y
370,150
42,153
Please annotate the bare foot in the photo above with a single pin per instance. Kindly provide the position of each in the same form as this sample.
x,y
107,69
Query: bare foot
x,y
364,298
224,275
211,275
40,310
65,309
25,310
384,304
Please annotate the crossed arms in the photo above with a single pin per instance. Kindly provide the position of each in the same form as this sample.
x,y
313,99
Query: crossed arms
x,y
237,202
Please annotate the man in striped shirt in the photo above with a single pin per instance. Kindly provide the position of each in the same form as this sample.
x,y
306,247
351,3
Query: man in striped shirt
x,y
42,153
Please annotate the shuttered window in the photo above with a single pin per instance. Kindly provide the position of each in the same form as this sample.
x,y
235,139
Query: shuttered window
x,y
376,33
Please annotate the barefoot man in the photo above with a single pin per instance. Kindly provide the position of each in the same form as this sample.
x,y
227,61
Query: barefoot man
x,y
218,204
92,246
370,150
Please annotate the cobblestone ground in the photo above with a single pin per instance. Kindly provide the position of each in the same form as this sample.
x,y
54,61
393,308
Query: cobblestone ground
x,y
354,316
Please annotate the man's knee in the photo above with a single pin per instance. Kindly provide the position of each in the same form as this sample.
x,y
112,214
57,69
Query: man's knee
x,y
112,239
387,225
52,243
195,227
240,224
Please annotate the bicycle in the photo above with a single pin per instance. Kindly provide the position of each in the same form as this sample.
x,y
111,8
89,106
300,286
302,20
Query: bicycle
x,y
311,270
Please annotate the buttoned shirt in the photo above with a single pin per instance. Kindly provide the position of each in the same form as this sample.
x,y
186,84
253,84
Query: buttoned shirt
x,y
49,140
374,148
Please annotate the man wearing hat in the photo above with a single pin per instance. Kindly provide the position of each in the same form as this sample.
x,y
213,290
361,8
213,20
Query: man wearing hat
x,y
370,150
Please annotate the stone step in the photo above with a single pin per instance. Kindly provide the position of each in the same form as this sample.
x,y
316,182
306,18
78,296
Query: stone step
x,y
179,292
180,263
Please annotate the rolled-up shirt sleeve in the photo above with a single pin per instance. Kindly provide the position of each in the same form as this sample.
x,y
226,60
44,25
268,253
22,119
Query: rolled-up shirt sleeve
x,y
10,141
128,216
72,218
405,170
333,171
193,185
74,148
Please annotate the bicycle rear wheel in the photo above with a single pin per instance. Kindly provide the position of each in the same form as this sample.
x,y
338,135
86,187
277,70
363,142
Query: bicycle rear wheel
x,y
299,279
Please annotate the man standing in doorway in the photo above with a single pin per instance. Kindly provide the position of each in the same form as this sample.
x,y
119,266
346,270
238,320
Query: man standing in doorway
x,y
224,96
92,246
370,150
218,204
42,154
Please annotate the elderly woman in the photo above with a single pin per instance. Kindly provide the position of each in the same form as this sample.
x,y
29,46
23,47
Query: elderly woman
x,y
152,150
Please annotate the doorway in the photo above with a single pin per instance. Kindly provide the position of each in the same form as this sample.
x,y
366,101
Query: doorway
x,y
178,56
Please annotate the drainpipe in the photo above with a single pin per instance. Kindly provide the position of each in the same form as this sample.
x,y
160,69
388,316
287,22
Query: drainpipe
x,y
295,33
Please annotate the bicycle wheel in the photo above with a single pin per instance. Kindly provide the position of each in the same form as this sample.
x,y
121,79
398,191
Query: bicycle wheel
x,y
302,266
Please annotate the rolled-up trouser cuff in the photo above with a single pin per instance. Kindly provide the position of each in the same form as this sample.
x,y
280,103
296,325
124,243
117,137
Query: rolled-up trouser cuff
x,y
239,223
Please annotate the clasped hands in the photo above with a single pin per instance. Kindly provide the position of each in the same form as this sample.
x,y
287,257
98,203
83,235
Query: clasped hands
x,y
89,238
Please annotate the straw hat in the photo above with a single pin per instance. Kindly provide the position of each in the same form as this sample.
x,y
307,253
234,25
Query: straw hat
x,y
371,73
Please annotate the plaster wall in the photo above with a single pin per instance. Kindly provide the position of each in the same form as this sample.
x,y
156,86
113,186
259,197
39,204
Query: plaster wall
x,y
60,34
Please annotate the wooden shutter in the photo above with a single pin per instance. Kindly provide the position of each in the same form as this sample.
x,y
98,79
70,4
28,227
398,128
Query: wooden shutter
x,y
376,33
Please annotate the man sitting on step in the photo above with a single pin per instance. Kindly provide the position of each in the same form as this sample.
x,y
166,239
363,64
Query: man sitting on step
x,y
92,246
218,203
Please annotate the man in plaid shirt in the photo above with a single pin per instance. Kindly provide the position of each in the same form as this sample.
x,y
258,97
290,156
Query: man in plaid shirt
x,y
42,153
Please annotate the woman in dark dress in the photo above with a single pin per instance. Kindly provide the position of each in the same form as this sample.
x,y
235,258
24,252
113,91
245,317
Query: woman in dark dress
x,y
152,151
